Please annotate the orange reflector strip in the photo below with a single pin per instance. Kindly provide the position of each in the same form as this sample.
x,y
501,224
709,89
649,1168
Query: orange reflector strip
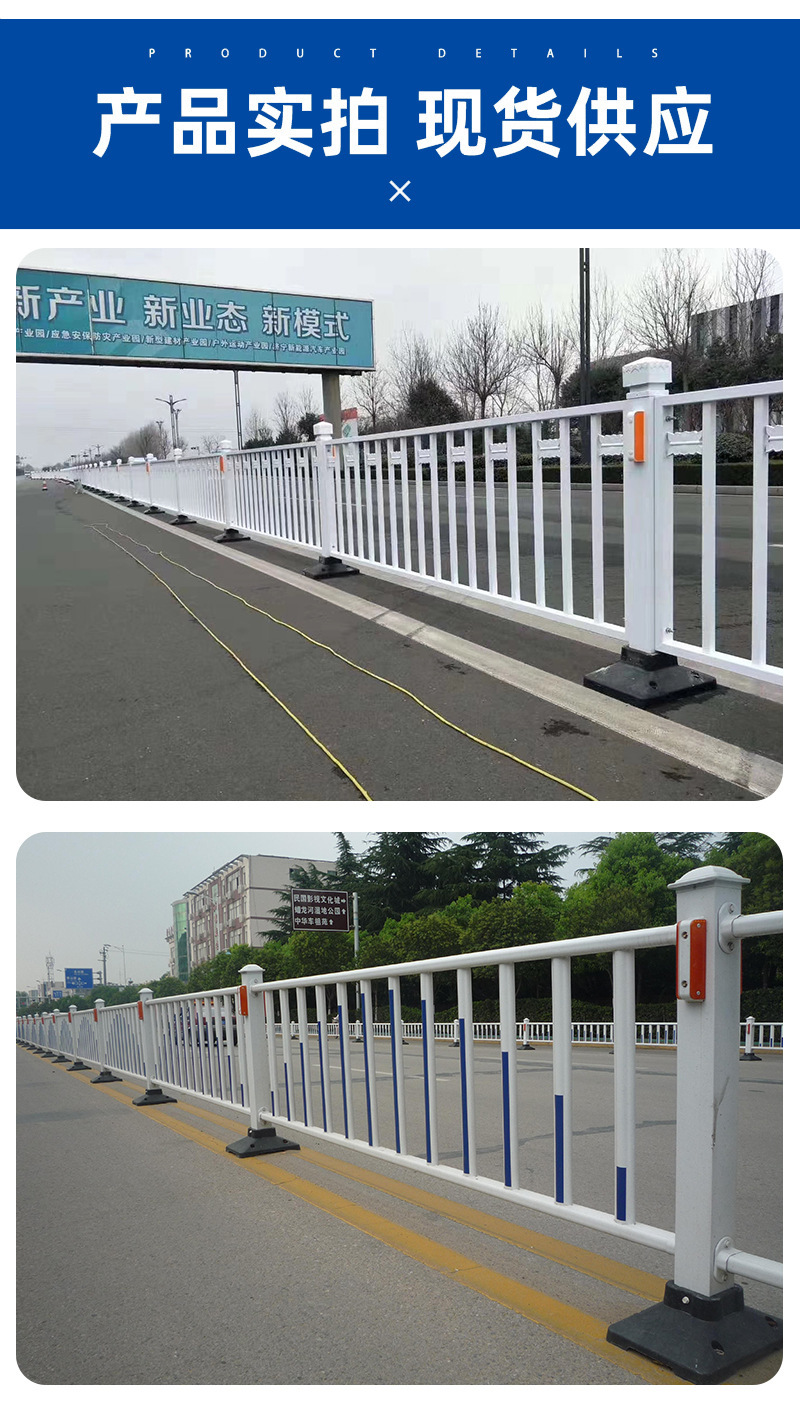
x,y
243,1006
638,436
69,1016
140,1007
221,464
697,959
94,1011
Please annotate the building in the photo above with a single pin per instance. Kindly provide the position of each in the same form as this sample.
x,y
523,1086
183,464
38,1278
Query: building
x,y
231,907
745,323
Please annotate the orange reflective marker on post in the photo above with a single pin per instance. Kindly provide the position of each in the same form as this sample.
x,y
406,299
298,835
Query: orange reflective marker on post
x,y
221,464
690,962
140,1008
243,1005
638,436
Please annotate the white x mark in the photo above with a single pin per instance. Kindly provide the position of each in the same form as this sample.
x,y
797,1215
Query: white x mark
x,y
400,190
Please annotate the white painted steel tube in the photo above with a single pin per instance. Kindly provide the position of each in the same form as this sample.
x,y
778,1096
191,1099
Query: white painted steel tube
x,y
730,1260
398,1081
286,1050
562,1078
624,1085
324,1059
369,1062
467,1068
508,1058
429,1069
344,1058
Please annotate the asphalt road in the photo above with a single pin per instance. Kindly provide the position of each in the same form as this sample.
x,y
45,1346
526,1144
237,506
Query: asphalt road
x,y
174,1263
123,696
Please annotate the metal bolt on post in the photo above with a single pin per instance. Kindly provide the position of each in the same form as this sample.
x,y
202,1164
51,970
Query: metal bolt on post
x,y
644,674
702,1329
251,1022
231,533
153,1095
329,564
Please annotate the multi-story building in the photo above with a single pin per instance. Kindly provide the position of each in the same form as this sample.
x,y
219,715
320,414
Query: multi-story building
x,y
231,907
745,322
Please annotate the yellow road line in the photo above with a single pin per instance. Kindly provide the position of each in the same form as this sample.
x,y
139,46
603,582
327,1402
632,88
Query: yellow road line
x,y
615,1274
587,1332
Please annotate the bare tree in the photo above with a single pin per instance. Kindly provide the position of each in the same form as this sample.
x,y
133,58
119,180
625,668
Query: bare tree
x,y
548,350
607,322
210,443
373,400
285,411
256,429
482,362
748,274
660,311
413,359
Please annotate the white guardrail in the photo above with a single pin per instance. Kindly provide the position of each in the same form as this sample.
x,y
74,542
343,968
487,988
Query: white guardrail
x,y
408,503
226,1047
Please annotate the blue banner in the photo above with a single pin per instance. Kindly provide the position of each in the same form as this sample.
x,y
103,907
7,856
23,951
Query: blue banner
x,y
287,124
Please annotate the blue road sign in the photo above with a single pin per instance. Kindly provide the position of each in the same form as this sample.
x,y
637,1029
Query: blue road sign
x,y
79,978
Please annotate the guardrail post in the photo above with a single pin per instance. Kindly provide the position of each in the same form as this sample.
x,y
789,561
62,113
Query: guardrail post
x,y
153,1095
180,518
644,674
749,1056
702,1330
77,1064
251,1021
151,510
231,533
104,1075
328,564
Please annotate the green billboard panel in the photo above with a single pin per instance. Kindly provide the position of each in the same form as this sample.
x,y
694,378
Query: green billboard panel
x,y
99,319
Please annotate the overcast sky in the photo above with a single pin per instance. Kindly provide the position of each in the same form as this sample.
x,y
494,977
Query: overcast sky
x,y
75,892
67,409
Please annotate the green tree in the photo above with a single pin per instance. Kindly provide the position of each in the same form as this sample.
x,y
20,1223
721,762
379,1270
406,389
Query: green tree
x,y
499,862
758,858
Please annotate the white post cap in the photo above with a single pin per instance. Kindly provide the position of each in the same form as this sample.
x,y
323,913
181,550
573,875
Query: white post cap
x,y
648,375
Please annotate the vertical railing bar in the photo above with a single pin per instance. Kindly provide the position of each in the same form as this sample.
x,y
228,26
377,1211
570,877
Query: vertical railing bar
x,y
513,510
452,509
434,498
596,495
624,996
467,1068
537,509
380,504
286,1050
398,1081
272,1053
419,502
364,458
469,481
305,1066
405,503
321,1001
390,469
508,1056
758,651
708,569
369,1062
562,1077
344,1058
358,500
565,494
491,526
429,1069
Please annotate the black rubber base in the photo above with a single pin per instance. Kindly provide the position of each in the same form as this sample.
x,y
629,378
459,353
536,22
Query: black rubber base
x,y
79,1067
749,1058
106,1077
645,679
153,1097
153,512
231,534
182,520
329,566
702,1339
264,1141
61,1058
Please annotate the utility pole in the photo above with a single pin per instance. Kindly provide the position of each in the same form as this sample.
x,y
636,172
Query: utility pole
x,y
173,415
585,339
103,955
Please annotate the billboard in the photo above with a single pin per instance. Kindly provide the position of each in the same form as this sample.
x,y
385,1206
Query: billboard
x,y
88,318
318,909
